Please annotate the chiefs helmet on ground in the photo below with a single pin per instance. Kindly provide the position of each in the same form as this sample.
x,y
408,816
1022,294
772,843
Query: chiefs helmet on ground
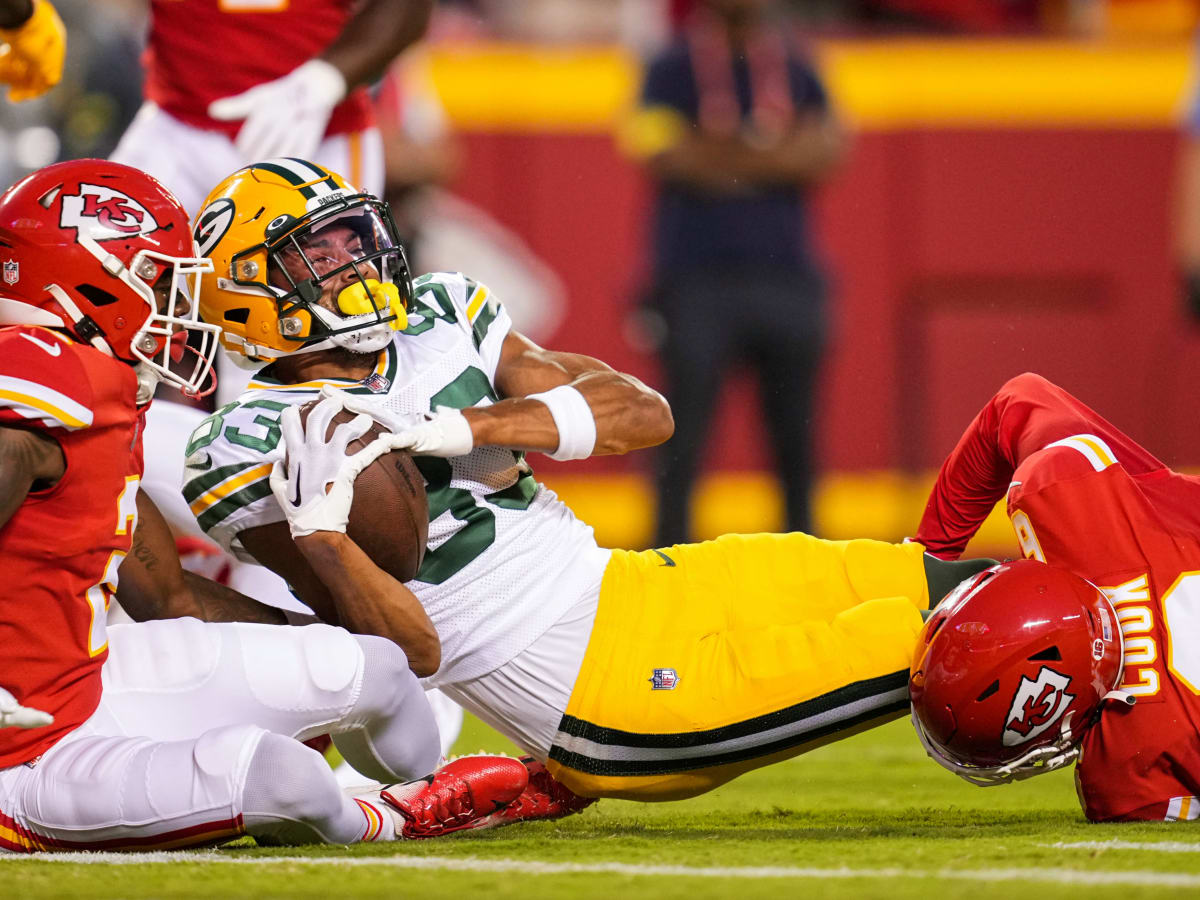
x,y
105,252
1011,670
264,228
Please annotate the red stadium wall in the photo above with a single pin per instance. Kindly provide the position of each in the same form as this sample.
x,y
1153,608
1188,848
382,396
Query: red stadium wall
x,y
959,258
965,247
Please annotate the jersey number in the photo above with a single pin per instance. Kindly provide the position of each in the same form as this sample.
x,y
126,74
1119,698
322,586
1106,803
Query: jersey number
x,y
1135,612
479,523
99,596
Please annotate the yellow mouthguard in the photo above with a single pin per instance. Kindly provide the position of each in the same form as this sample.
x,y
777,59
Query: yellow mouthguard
x,y
355,301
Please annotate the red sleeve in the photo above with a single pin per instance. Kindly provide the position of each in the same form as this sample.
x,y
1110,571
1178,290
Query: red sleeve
x,y
1026,415
43,384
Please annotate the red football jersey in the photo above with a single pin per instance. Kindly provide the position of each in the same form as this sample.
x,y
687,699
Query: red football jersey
x,y
1084,496
201,50
60,551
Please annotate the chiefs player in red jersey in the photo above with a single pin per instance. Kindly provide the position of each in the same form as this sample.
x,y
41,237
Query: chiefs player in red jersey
x,y
190,736
1021,672
229,82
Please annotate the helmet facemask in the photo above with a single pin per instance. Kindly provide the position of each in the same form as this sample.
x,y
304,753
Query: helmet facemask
x,y
1037,761
163,339
349,245
171,318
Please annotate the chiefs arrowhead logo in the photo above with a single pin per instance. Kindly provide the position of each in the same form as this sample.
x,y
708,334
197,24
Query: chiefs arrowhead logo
x,y
105,214
1038,704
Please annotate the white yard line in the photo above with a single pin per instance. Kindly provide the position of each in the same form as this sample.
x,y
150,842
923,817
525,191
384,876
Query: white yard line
x,y
533,867
1152,846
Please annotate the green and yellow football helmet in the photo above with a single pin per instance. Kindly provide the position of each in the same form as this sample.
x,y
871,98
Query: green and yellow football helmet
x,y
302,261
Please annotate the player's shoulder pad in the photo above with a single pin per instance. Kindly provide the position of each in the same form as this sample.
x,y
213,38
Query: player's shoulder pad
x,y
471,303
45,379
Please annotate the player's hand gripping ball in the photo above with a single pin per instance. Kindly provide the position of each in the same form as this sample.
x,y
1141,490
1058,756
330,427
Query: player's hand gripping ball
x,y
389,514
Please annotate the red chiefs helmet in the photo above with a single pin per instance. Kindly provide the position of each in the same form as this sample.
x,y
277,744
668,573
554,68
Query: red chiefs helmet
x,y
106,252
1011,670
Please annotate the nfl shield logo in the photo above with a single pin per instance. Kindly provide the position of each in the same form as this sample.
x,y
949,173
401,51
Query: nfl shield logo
x,y
663,680
12,271
377,383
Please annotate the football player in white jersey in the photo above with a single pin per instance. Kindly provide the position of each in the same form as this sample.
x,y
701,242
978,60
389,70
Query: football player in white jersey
x,y
652,675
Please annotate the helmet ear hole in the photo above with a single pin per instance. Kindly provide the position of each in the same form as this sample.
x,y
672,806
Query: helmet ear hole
x,y
240,315
96,296
988,691
1050,654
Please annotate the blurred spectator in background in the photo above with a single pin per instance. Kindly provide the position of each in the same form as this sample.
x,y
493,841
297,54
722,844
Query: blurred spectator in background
x,y
735,128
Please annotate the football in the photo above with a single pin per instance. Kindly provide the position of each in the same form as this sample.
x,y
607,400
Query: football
x,y
389,516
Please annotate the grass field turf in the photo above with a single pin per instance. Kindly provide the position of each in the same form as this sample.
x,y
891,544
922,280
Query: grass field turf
x,y
870,817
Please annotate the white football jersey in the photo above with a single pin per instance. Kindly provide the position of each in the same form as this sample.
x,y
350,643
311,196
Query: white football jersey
x,y
505,559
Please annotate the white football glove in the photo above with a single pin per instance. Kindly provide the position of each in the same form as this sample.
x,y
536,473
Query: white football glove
x,y
287,116
14,715
315,484
444,432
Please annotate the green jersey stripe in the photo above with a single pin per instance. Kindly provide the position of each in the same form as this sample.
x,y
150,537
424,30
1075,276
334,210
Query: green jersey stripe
x,y
201,485
256,490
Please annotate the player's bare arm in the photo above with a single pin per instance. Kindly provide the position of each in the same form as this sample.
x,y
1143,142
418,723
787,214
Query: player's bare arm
x,y
153,585
628,414
338,582
375,35
28,461
313,484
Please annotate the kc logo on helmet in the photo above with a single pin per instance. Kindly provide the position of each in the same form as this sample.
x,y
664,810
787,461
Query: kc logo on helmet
x,y
105,214
1037,705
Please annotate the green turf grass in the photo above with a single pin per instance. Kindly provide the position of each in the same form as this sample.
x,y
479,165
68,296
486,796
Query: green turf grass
x,y
872,804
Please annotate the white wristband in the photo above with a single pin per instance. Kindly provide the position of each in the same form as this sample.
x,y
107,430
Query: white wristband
x,y
573,419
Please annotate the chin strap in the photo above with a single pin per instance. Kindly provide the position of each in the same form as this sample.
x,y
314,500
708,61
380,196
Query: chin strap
x,y
1123,697
81,324
147,381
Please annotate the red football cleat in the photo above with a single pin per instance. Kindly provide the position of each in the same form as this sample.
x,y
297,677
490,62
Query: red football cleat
x,y
460,795
543,798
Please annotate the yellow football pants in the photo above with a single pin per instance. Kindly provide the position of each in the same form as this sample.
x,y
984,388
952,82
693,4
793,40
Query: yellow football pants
x,y
708,660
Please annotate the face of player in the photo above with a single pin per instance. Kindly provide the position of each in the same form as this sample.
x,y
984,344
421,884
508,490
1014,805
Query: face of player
x,y
325,252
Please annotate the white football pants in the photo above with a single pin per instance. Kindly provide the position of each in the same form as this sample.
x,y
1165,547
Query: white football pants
x,y
197,741
192,161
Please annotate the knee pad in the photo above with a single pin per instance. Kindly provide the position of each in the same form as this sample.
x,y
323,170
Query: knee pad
x,y
221,752
219,761
316,667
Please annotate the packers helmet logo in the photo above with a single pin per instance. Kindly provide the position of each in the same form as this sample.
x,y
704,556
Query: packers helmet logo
x,y
212,224
105,214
